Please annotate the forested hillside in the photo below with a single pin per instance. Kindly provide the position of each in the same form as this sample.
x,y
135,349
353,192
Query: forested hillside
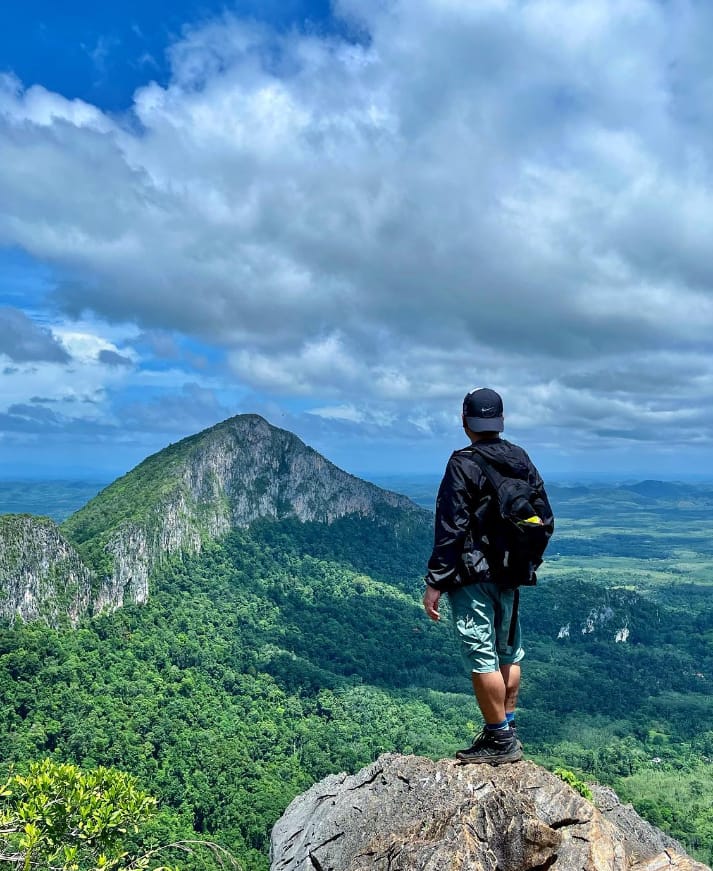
x,y
291,650
286,649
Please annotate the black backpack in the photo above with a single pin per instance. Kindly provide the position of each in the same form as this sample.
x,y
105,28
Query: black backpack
x,y
517,526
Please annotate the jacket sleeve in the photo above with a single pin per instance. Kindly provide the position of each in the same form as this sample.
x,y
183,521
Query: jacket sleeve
x,y
452,523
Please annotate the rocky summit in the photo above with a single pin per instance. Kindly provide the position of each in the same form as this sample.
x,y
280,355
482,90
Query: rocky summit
x,y
407,813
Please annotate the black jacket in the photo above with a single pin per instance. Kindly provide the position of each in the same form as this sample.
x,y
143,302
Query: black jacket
x,y
462,507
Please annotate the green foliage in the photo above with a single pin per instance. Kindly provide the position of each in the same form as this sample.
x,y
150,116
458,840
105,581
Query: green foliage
x,y
130,499
575,782
243,680
289,651
58,817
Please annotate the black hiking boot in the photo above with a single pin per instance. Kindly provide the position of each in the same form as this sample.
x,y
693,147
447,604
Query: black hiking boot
x,y
515,735
492,747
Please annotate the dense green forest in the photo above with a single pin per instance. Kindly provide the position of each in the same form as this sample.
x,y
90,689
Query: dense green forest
x,y
288,651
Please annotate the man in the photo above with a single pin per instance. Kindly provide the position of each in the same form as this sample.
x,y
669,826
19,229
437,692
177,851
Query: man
x,y
484,604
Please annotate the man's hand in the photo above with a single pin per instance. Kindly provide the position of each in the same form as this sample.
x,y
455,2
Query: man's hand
x,y
430,602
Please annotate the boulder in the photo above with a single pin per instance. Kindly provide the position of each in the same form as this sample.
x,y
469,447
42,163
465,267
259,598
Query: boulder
x,y
408,813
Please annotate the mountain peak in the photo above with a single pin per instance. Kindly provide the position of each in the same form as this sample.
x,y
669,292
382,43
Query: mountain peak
x,y
238,471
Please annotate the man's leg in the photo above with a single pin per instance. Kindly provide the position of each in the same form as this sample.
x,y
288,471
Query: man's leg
x,y
496,692
497,742
490,691
511,680
474,613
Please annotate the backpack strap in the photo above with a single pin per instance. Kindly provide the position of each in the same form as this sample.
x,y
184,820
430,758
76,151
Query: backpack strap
x,y
484,467
493,476
513,617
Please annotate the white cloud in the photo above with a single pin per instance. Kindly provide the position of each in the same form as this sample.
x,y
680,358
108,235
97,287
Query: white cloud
x,y
83,346
323,364
500,192
81,369
339,412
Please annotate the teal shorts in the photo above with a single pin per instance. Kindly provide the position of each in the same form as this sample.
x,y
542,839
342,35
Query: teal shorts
x,y
482,618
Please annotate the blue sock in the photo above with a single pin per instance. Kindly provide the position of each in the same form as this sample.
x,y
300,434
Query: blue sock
x,y
510,717
491,727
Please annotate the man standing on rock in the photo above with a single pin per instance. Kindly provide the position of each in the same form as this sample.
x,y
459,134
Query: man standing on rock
x,y
480,565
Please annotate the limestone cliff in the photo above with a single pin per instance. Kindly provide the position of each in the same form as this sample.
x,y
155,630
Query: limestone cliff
x,y
202,487
406,813
41,574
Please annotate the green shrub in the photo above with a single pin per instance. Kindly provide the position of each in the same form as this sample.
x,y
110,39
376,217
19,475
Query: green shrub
x,y
58,817
578,785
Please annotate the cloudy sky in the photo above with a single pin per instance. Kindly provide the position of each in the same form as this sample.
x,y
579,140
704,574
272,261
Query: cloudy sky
x,y
345,215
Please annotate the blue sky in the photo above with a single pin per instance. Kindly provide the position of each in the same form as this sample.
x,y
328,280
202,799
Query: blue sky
x,y
103,52
344,216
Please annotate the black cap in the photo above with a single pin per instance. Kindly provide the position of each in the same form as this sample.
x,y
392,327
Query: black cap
x,y
483,410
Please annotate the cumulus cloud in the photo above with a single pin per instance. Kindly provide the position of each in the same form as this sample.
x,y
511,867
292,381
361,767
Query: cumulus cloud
x,y
22,340
85,344
524,198
368,416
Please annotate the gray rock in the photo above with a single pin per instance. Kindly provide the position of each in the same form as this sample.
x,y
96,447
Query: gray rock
x,y
407,813
41,574
642,839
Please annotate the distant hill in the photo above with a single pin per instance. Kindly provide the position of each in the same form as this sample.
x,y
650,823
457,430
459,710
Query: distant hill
x,y
669,490
569,498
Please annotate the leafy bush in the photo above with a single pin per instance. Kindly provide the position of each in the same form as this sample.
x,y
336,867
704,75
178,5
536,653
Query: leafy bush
x,y
58,817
